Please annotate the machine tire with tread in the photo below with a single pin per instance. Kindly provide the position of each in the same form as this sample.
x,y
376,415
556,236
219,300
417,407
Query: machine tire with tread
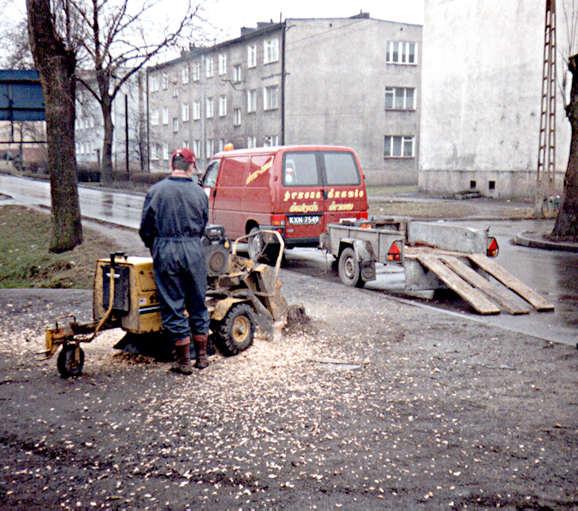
x,y
236,331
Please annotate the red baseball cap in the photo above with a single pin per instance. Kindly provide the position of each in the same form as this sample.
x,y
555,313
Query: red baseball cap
x,y
186,154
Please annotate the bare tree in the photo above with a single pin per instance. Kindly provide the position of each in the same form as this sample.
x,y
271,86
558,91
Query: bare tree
x,y
118,47
17,47
50,31
566,226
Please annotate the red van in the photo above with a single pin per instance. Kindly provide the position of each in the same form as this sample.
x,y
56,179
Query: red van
x,y
295,190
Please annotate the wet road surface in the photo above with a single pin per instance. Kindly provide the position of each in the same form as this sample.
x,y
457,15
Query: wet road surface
x,y
552,274
117,207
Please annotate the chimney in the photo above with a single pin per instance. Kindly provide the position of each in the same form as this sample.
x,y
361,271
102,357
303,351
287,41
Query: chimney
x,y
361,15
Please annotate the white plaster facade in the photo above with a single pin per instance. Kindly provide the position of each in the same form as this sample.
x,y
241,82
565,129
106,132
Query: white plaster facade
x,y
481,91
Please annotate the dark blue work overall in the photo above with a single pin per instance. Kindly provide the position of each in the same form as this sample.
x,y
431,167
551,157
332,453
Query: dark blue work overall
x,y
173,220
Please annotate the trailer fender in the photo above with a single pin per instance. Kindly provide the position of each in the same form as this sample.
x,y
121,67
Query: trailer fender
x,y
364,254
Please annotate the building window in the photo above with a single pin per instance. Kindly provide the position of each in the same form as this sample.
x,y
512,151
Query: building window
x,y
270,51
251,100
221,145
209,108
251,142
401,52
271,140
196,110
165,116
210,148
154,151
222,106
165,81
185,112
155,118
399,146
186,144
237,117
237,73
209,67
197,148
196,71
175,91
154,83
175,124
165,151
252,55
271,97
222,63
185,75
399,98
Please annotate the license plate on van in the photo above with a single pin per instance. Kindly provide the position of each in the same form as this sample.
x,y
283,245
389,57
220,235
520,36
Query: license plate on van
x,y
304,220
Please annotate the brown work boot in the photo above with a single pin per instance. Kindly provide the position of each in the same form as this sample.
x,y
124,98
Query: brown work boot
x,y
183,356
201,342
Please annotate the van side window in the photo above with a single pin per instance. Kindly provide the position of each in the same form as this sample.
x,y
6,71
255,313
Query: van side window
x,y
340,169
211,174
300,169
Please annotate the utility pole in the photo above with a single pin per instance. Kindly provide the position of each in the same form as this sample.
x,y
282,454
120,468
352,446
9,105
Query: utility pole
x,y
546,171
126,155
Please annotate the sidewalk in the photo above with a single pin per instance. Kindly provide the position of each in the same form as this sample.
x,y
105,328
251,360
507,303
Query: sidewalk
x,y
536,239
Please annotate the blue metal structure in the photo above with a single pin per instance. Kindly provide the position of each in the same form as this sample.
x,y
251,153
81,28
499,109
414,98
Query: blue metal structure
x,y
21,97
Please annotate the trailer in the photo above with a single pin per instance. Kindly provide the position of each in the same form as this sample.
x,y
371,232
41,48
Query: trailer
x,y
432,256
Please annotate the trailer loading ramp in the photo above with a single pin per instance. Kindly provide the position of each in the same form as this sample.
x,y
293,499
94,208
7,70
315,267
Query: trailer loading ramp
x,y
484,295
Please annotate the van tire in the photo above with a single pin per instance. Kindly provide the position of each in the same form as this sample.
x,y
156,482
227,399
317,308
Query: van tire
x,y
349,269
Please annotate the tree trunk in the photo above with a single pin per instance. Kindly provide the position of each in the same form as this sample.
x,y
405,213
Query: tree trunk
x,y
566,226
106,165
56,65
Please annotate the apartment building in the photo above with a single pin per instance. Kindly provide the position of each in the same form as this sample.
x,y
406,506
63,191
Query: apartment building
x,y
348,81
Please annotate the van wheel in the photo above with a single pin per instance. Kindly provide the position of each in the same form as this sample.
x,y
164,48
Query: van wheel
x,y
349,269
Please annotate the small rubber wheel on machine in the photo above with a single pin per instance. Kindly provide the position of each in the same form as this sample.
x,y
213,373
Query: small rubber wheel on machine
x,y
349,269
235,332
70,360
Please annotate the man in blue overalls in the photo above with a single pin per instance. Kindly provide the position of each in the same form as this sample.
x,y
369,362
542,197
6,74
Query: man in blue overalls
x,y
173,220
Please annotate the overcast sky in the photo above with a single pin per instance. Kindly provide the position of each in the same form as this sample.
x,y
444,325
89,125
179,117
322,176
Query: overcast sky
x,y
225,17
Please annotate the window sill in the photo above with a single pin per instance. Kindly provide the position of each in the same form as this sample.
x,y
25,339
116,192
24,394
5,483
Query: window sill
x,y
272,62
400,110
399,157
401,64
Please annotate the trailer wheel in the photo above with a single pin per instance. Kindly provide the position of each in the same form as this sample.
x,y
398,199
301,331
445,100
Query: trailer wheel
x,y
70,360
349,269
235,332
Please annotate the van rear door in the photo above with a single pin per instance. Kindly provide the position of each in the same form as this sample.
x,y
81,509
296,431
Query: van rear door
x,y
302,195
343,186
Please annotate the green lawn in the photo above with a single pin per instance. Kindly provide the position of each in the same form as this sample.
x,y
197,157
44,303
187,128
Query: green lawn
x,y
26,262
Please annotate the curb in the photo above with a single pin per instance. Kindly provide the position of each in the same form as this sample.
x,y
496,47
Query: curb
x,y
535,240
